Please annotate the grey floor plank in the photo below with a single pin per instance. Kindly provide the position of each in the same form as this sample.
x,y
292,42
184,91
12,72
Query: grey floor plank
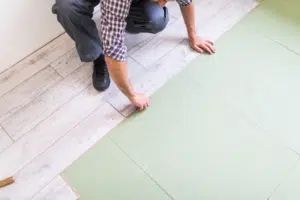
x,y
23,70
5,140
20,96
40,108
67,63
57,189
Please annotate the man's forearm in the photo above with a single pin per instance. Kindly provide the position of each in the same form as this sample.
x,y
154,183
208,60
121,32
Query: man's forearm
x,y
118,72
188,13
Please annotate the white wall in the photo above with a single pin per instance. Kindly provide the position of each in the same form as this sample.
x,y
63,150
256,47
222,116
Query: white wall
x,y
25,25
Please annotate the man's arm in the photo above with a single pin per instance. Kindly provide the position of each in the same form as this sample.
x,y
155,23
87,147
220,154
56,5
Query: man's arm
x,y
114,13
118,72
197,43
188,13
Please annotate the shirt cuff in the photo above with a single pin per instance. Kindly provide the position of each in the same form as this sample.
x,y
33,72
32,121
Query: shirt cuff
x,y
116,52
184,3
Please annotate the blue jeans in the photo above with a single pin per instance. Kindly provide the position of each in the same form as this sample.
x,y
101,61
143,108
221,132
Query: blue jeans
x,y
76,18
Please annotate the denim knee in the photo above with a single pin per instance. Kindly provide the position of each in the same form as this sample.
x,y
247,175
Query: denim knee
x,y
158,17
65,9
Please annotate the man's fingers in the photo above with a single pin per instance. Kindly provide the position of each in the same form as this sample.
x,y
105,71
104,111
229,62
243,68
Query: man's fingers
x,y
146,104
198,49
210,42
140,107
143,106
211,47
207,49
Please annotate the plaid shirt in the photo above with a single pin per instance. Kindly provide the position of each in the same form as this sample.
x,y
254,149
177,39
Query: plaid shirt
x,y
113,24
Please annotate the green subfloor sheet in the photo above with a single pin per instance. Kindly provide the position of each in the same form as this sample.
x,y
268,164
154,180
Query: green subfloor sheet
x,y
227,127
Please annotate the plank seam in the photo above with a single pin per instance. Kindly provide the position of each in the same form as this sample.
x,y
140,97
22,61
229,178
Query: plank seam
x,y
33,53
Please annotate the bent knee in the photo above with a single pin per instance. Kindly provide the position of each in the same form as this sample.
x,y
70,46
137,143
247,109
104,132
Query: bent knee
x,y
159,19
64,8
159,25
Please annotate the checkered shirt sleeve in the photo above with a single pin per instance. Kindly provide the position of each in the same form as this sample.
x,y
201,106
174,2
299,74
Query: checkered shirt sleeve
x,y
113,23
183,3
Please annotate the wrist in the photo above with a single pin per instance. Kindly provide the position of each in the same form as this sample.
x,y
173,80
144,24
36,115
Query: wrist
x,y
130,95
192,35
191,32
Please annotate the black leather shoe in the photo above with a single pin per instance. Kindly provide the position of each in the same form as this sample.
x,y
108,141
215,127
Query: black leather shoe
x,y
101,80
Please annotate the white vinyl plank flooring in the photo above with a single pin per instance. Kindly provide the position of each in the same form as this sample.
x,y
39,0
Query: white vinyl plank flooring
x,y
23,94
57,189
5,140
226,18
67,63
40,108
23,70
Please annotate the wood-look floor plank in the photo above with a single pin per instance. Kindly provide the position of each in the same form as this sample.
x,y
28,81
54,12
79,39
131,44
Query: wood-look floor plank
x,y
59,123
47,166
58,47
20,72
160,45
57,189
177,59
228,17
41,107
174,9
5,140
134,42
17,98
176,33
67,63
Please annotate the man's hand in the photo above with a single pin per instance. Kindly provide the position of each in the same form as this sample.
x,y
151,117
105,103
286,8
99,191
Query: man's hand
x,y
197,43
140,100
201,45
118,72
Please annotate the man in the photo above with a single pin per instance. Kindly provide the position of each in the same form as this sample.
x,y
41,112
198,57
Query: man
x,y
108,53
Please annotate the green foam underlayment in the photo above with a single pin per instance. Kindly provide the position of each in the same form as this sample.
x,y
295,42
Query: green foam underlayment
x,y
227,127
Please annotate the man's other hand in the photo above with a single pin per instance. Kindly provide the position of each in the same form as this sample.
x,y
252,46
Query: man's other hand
x,y
140,100
201,45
